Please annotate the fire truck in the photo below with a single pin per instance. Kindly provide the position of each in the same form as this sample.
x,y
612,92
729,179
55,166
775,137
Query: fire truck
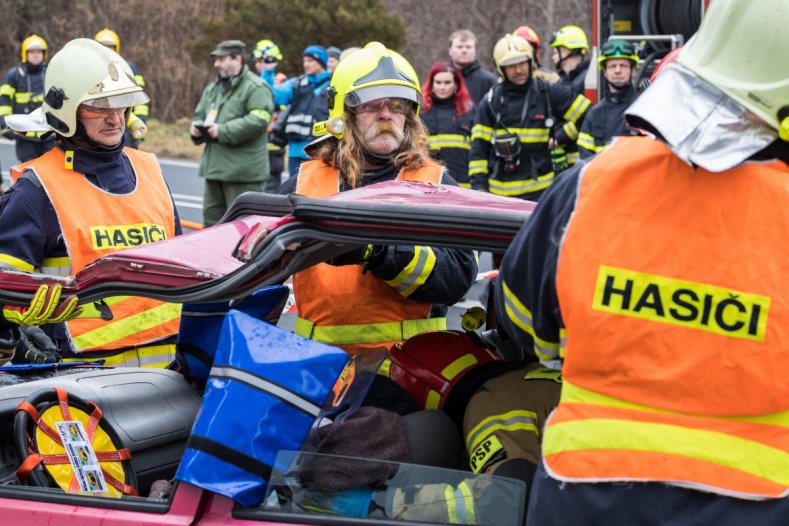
x,y
655,26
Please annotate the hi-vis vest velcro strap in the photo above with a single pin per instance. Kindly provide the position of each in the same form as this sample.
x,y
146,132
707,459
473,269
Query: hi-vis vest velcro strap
x,y
694,305
747,457
367,332
114,237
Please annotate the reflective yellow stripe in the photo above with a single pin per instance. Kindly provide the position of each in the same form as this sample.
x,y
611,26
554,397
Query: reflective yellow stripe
x,y
520,186
262,114
458,365
464,185
22,97
521,316
16,263
158,356
484,133
438,141
7,90
587,141
367,332
571,131
710,446
576,109
467,498
60,266
573,394
527,135
452,512
480,166
5,110
141,110
139,80
518,420
415,273
117,330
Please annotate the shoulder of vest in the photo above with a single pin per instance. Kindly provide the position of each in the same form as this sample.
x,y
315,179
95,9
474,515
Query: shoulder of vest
x,y
31,175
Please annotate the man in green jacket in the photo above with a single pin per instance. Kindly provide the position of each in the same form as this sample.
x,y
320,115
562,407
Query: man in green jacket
x,y
231,119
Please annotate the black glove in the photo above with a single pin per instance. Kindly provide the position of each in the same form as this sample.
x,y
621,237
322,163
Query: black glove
x,y
368,256
9,339
36,346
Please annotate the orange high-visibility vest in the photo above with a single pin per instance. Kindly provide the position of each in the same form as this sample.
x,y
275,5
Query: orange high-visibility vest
x,y
673,287
96,223
345,307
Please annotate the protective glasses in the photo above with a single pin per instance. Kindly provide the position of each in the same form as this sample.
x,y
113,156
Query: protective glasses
x,y
91,112
395,106
614,48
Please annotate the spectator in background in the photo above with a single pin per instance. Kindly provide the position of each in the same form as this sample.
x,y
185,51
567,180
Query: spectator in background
x,y
22,92
306,95
135,127
232,120
334,57
448,113
605,120
266,57
463,53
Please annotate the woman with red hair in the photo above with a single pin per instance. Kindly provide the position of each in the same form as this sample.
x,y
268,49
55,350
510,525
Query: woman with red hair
x,y
448,112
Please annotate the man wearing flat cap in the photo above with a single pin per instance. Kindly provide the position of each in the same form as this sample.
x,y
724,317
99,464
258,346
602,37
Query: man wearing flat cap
x,y
231,119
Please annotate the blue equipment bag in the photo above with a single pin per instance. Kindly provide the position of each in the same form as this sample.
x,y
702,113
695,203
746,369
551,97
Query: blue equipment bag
x,y
265,390
201,325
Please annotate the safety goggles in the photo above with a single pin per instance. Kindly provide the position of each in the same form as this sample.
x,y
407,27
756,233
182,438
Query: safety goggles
x,y
620,48
395,105
92,112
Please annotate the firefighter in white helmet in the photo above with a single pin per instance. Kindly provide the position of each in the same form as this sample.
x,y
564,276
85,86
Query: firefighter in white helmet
x,y
22,92
654,279
86,198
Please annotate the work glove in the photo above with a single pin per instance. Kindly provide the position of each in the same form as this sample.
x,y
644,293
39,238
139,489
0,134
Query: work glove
x,y
559,159
36,346
45,307
368,256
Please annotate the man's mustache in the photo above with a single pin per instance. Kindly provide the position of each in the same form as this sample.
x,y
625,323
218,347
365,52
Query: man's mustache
x,y
380,128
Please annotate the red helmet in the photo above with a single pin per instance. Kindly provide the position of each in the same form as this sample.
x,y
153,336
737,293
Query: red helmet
x,y
530,35
430,364
668,59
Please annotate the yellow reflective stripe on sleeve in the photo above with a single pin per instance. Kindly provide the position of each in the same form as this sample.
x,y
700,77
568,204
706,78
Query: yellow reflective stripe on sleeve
x,y
479,166
415,273
141,110
573,157
262,114
367,332
273,147
139,80
587,141
7,260
452,512
710,446
571,131
521,316
116,330
464,494
517,420
7,90
22,97
484,133
5,110
520,186
60,266
576,109
448,140
465,185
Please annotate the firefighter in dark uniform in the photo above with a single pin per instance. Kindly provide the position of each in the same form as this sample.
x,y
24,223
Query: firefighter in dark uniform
x,y
23,92
518,124
135,126
605,120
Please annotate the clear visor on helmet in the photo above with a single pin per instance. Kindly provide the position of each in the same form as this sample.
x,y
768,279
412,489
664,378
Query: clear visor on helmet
x,y
125,100
363,95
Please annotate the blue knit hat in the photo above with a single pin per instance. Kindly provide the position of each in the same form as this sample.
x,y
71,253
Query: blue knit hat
x,y
317,53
